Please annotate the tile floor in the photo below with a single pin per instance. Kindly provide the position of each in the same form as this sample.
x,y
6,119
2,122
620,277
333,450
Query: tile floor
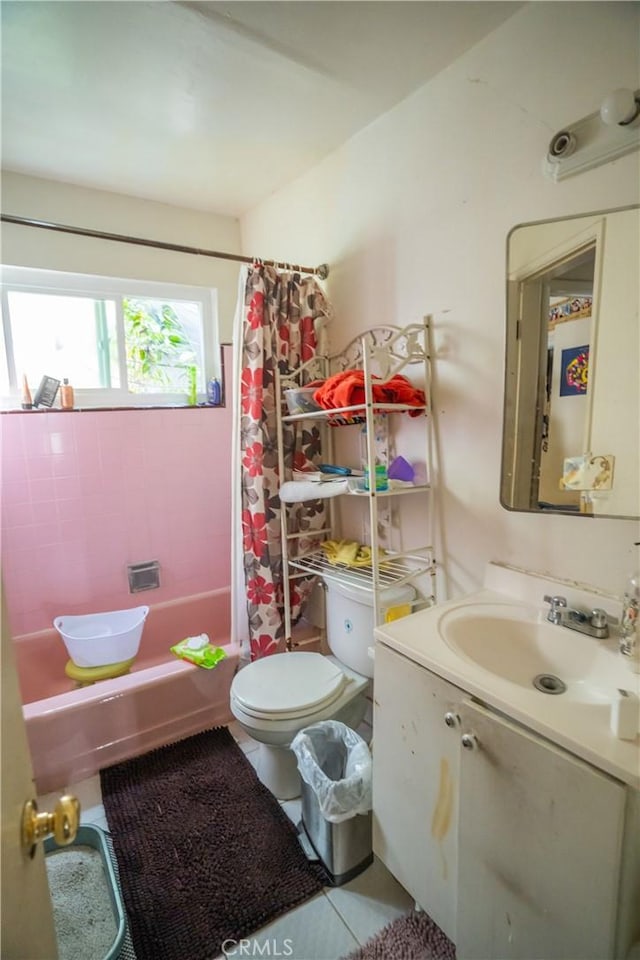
x,y
327,927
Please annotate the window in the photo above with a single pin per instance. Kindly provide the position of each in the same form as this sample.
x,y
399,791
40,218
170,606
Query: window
x,y
118,342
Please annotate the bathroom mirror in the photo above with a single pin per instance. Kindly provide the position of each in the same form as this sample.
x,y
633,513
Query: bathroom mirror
x,y
572,372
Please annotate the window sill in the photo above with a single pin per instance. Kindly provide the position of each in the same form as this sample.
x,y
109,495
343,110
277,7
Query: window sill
x,y
155,406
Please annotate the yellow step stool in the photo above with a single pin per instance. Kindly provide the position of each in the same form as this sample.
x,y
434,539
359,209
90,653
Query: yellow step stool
x,y
87,675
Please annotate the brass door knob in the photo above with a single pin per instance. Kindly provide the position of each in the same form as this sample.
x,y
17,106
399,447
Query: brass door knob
x,y
63,823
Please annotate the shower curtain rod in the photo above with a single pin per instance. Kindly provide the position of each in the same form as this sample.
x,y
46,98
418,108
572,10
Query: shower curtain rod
x,y
322,271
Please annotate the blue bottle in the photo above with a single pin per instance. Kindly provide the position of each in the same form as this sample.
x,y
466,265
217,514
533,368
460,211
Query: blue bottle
x,y
214,394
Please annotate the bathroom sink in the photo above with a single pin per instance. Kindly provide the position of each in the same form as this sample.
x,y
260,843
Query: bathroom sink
x,y
507,641
493,644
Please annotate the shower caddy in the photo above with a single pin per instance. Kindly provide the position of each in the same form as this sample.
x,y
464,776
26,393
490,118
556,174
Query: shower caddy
x,y
381,352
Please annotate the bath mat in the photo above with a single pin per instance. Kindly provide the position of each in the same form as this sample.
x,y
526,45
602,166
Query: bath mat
x,y
205,852
414,937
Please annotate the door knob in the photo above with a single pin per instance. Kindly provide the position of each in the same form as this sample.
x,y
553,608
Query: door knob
x,y
469,741
63,823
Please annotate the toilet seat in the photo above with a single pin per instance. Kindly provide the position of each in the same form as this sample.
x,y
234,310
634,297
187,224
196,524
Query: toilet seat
x,y
288,686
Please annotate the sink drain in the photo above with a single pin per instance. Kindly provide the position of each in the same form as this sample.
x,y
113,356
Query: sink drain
x,y
548,683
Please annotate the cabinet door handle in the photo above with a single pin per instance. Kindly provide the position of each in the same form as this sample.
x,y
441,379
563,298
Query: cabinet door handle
x,y
451,719
469,741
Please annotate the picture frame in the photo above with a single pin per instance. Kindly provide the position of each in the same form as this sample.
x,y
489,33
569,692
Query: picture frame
x,y
574,375
46,392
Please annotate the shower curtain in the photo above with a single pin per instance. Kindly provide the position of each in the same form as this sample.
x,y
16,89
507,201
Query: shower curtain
x,y
278,325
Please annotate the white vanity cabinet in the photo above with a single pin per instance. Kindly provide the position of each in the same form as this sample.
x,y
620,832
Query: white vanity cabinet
x,y
539,835
415,782
512,845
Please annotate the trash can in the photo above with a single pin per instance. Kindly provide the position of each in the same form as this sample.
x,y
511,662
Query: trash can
x,y
335,767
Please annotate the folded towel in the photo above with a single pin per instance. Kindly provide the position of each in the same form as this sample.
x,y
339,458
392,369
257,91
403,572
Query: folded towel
x,y
296,491
347,553
346,389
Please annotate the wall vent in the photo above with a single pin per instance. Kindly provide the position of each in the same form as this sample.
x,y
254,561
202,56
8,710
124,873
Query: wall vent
x,y
143,576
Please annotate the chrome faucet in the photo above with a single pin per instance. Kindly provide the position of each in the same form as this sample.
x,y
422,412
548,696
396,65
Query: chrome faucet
x,y
594,624
555,610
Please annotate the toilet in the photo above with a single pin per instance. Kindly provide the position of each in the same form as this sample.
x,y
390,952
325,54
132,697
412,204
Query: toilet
x,y
275,697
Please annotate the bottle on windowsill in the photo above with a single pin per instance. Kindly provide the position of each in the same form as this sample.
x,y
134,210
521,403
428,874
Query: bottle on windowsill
x,y
66,395
27,400
214,393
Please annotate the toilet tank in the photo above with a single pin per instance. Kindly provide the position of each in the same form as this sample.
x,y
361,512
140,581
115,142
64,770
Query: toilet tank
x,y
350,620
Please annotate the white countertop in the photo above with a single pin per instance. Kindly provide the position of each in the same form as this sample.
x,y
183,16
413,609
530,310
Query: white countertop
x,y
582,728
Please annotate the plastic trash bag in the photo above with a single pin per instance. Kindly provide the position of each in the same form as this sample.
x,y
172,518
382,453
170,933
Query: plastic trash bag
x,y
336,763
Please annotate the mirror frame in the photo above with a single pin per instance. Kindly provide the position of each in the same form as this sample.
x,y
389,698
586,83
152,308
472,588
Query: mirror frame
x,y
512,368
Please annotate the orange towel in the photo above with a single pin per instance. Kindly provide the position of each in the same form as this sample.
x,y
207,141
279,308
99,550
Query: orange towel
x,y
346,389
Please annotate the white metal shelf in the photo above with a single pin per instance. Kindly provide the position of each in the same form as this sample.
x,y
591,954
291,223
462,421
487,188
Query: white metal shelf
x,y
393,571
358,409
380,353
390,492
360,492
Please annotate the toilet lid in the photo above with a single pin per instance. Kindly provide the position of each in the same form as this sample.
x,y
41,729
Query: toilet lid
x,y
288,684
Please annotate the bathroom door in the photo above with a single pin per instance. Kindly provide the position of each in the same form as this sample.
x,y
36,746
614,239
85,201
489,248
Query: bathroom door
x,y
27,915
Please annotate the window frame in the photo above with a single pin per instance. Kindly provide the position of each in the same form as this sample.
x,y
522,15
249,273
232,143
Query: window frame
x,y
61,283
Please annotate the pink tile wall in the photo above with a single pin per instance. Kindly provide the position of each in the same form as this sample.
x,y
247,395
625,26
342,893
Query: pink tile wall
x,y
84,493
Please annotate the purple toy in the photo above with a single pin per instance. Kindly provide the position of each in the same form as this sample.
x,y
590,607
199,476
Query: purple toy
x,y
399,469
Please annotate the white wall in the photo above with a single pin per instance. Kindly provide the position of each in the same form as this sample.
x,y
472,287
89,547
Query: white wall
x,y
116,213
617,371
412,215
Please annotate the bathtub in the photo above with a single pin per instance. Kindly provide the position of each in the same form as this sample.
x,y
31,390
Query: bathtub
x,y
74,732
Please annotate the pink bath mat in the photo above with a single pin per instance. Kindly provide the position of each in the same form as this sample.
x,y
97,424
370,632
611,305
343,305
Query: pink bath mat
x,y
414,937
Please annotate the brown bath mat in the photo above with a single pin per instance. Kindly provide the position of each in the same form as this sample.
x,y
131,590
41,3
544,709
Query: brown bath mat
x,y
414,937
205,851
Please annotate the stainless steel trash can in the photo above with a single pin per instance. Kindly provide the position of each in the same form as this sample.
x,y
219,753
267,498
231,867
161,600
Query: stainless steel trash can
x,y
344,848
335,768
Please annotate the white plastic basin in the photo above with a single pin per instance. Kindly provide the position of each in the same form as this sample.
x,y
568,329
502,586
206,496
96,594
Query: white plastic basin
x,y
98,639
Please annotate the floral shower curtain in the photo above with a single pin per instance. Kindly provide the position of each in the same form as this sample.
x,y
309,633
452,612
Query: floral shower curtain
x,y
279,317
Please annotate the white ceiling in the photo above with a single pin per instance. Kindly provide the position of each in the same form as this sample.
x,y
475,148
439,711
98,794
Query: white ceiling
x,y
212,105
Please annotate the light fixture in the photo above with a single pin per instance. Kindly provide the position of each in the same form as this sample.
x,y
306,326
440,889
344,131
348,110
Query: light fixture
x,y
599,138
621,107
